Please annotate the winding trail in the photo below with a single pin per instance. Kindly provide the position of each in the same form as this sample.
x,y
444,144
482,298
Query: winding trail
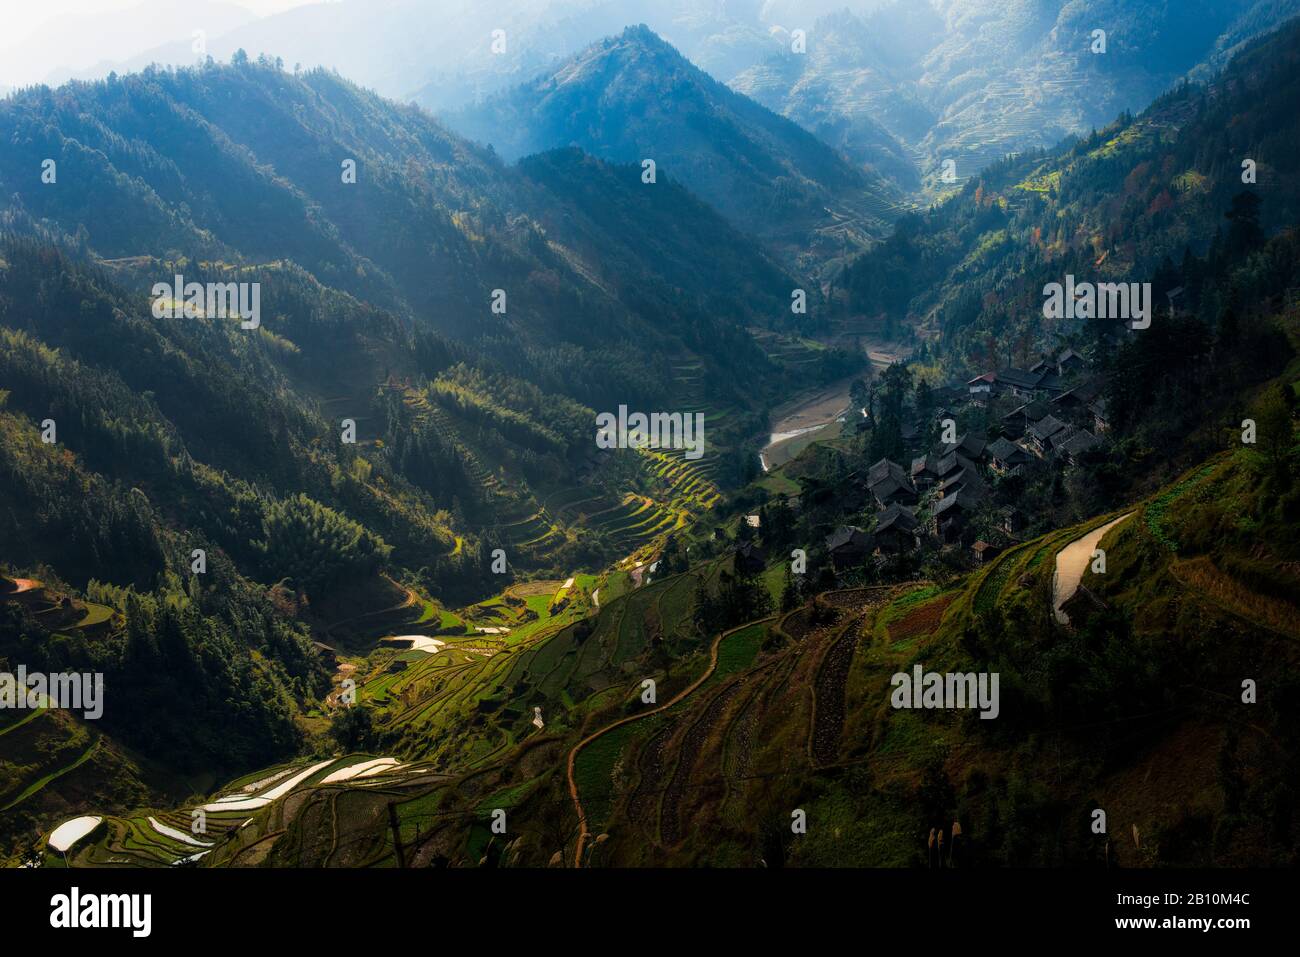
x,y
583,832
1071,562
409,601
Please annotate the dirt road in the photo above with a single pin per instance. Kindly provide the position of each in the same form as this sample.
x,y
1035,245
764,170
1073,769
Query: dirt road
x,y
1071,562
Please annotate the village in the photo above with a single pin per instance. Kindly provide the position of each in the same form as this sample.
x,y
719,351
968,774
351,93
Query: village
x,y
958,491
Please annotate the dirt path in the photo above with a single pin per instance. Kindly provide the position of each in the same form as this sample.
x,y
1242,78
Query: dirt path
x,y
409,601
583,832
1071,562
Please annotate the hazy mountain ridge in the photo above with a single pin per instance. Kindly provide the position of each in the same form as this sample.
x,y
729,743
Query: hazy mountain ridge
x,y
970,81
634,97
899,86
423,199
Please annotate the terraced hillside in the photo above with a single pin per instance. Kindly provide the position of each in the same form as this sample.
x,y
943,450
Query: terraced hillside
x,y
53,760
615,517
444,707
801,720
535,705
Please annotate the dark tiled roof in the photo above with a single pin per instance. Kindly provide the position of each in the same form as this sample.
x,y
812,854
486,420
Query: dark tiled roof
x,y
847,535
969,445
1019,378
896,516
964,499
1084,392
889,488
1003,450
885,469
966,478
1047,428
925,463
954,462
1050,381
1079,443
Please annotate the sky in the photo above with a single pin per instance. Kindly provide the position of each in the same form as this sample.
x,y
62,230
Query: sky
x,y
93,31
18,18
398,41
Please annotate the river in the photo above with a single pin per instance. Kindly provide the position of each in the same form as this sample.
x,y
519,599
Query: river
x,y
815,411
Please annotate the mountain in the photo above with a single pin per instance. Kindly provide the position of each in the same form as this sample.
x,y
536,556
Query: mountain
x,y
377,438
969,81
442,54
429,228
899,86
1129,202
634,97
366,591
760,712
239,171
858,86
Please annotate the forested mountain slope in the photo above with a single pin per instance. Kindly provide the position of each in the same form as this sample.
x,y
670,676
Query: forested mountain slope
x,y
1197,196
909,87
634,97
369,444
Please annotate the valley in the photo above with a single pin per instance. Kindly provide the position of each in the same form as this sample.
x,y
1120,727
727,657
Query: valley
x,y
371,582
808,416
803,416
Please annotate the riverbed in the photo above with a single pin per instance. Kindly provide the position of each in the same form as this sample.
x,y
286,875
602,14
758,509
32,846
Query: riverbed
x,y
810,416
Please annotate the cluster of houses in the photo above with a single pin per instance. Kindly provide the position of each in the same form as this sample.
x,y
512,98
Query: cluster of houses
x,y
1058,416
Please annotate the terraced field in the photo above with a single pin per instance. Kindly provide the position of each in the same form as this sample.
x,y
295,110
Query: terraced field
x,y
522,523
180,836
672,770
42,746
635,521
690,479
423,700
549,684
533,524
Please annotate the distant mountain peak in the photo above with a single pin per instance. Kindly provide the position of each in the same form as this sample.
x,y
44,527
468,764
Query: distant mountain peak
x,y
634,96
641,33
